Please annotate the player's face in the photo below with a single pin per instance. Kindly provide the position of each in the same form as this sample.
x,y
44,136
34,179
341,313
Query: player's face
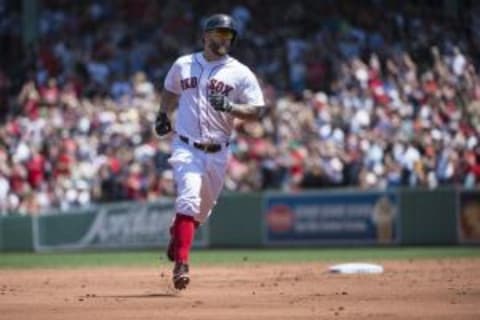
x,y
219,41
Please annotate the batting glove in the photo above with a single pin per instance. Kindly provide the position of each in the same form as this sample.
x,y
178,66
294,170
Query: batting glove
x,y
220,102
162,124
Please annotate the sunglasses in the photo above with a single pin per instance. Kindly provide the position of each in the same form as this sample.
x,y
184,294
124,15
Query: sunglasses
x,y
223,33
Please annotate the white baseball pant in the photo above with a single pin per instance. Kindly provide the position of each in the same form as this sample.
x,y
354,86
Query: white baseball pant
x,y
199,178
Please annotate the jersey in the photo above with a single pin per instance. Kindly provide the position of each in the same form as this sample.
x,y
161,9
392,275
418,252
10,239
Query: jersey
x,y
199,176
193,78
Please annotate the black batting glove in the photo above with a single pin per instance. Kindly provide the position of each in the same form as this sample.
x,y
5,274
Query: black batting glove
x,y
220,102
162,124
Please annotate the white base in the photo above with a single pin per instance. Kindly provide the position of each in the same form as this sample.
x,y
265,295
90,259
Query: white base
x,y
356,267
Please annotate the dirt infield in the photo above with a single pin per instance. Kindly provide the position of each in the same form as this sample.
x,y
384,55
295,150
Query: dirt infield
x,y
423,289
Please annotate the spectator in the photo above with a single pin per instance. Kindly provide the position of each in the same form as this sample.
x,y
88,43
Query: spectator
x,y
362,95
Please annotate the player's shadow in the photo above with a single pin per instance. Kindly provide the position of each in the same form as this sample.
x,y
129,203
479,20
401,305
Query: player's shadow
x,y
138,296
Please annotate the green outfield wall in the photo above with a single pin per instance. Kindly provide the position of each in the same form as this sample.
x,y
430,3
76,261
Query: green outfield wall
x,y
428,217
248,220
16,233
236,221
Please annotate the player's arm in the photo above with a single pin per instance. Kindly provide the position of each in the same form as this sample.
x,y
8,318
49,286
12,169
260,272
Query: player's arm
x,y
170,95
241,111
248,111
252,106
169,101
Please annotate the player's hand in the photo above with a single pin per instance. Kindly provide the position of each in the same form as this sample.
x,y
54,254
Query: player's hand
x,y
162,124
220,102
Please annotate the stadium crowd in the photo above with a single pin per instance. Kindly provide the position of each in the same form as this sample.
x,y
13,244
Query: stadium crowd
x,y
359,96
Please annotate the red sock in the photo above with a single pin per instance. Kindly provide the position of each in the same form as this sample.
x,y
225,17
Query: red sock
x,y
184,231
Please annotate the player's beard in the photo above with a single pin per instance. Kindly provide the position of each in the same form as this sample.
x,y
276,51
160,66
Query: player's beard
x,y
219,49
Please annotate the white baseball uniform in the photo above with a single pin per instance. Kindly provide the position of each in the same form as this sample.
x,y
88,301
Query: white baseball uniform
x,y
199,175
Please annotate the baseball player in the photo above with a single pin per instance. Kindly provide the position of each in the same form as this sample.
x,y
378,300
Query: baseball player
x,y
210,89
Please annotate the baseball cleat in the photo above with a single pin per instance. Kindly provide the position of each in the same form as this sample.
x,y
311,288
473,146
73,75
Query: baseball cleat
x,y
180,276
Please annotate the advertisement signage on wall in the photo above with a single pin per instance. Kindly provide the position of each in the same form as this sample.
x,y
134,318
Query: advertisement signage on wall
x,y
468,215
331,218
118,226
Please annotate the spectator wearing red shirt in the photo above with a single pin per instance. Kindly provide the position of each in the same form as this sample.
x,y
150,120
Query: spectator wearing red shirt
x,y
36,169
64,162
133,183
18,179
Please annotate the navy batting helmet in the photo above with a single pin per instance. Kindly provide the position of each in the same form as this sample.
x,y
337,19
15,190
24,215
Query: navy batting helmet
x,y
221,21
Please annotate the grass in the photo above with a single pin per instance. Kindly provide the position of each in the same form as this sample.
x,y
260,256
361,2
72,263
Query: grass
x,y
233,256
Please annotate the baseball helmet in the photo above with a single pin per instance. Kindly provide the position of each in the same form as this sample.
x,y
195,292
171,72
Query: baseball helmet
x,y
221,21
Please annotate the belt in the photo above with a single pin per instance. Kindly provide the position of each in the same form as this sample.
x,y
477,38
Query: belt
x,y
205,147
